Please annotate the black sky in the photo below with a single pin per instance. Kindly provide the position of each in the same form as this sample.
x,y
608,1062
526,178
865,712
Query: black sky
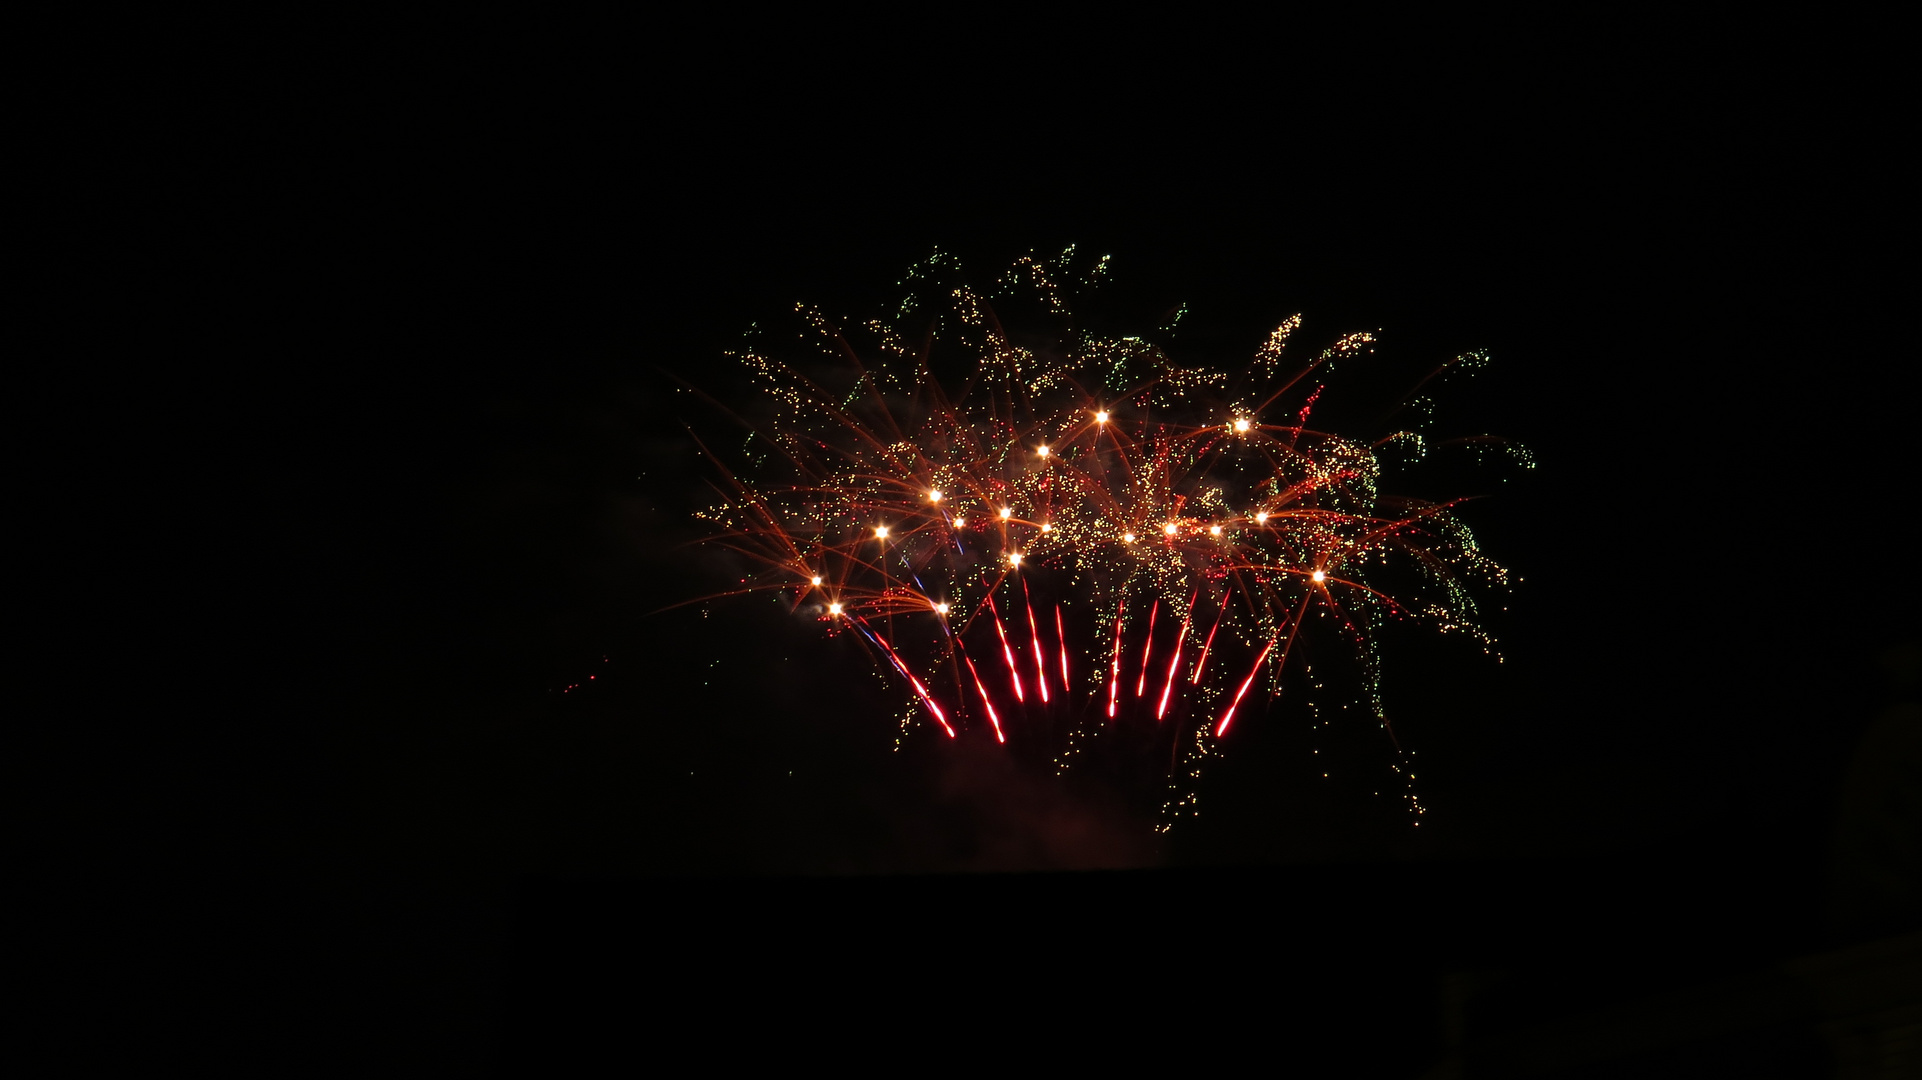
x,y
468,282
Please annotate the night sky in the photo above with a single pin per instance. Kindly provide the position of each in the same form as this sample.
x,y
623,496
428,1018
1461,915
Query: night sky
x,y
492,274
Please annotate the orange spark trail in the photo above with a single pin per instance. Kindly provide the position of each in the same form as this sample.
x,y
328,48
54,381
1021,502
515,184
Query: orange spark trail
x,y
1141,685
1114,675
1245,683
982,689
1034,635
1211,640
1175,661
1061,636
1006,651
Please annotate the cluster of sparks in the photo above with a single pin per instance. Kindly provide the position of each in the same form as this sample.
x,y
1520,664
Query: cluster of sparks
x,y
1073,534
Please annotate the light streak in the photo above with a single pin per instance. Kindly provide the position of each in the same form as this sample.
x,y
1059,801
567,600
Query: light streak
x,y
919,689
1034,636
1175,660
994,718
1202,660
1222,729
1061,636
1006,651
1147,649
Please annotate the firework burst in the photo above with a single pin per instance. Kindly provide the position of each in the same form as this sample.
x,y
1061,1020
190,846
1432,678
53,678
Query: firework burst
x,y
1056,540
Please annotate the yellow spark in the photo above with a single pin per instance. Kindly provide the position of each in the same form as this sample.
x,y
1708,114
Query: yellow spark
x,y
816,579
935,495
1043,451
1169,528
1319,577
1261,518
1127,538
1014,558
1214,530
1241,426
941,608
960,523
1006,513
1045,527
834,609
880,532
1101,417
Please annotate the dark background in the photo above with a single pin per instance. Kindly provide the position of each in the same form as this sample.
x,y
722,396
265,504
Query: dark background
x,y
458,281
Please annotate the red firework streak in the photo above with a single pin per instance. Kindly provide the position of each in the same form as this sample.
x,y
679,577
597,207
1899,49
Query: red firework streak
x,y
982,689
1114,673
1175,661
1222,728
1061,636
1006,651
1294,625
1147,650
1034,634
909,675
1203,660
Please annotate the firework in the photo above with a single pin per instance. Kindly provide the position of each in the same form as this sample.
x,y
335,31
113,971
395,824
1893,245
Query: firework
x,y
1054,538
